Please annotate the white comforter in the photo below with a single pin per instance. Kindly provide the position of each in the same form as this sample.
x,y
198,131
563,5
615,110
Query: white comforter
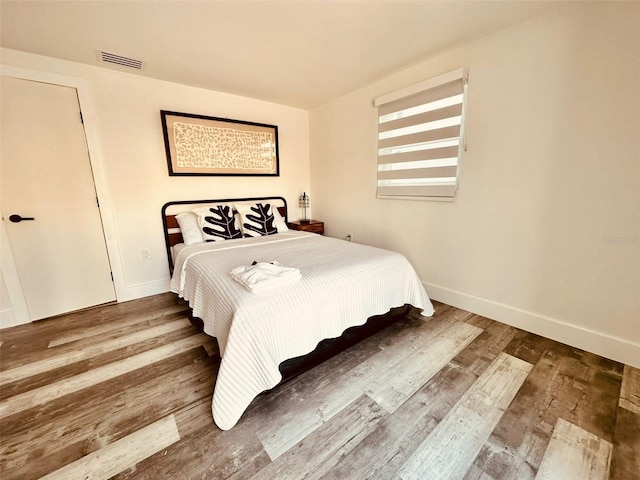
x,y
342,285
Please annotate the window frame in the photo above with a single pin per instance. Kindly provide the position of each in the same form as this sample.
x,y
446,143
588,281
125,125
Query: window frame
x,y
443,110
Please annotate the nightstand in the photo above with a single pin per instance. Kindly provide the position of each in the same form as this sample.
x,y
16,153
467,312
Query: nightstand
x,y
313,226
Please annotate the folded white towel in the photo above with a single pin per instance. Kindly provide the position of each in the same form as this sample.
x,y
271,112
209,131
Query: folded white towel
x,y
263,276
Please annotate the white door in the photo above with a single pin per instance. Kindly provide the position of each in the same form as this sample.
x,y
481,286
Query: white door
x,y
45,178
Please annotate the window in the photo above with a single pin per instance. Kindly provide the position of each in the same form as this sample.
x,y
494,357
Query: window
x,y
421,138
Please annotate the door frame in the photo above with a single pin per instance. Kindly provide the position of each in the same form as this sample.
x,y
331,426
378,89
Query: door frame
x,y
87,107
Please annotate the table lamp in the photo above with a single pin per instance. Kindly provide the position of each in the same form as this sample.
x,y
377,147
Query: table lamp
x,y
303,202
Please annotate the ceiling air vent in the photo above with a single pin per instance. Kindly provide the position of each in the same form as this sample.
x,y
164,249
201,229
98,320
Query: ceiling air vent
x,y
114,59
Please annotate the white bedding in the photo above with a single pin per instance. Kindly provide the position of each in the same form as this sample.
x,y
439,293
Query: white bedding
x,y
175,250
342,285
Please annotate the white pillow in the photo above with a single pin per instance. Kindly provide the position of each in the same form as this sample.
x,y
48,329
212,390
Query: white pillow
x,y
279,222
238,218
189,227
218,222
257,219
278,219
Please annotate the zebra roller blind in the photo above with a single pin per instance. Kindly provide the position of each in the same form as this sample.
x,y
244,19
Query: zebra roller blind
x,y
421,137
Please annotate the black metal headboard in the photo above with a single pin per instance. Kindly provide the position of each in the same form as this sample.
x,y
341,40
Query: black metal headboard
x,y
172,234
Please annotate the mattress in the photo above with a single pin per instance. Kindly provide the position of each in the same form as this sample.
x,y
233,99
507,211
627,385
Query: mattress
x,y
342,285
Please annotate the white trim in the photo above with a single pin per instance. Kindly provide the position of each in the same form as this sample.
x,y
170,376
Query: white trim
x,y
8,320
422,86
19,311
597,342
146,289
85,98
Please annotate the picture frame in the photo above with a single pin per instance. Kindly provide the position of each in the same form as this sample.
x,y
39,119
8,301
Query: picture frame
x,y
200,145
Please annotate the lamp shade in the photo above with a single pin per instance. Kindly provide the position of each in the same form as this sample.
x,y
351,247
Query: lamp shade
x,y
304,202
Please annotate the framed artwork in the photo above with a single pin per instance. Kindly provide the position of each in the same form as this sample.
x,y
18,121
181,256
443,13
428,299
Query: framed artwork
x,y
200,145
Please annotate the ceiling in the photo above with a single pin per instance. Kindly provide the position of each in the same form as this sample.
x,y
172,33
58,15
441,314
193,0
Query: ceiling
x,y
300,53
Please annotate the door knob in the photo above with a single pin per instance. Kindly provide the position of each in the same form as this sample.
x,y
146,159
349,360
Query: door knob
x,y
17,218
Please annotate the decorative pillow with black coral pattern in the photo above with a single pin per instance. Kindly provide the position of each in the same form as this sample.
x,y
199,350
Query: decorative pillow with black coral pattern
x,y
257,220
218,223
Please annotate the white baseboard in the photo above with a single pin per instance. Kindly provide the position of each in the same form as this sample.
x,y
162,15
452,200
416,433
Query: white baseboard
x,y
140,290
8,319
130,292
593,341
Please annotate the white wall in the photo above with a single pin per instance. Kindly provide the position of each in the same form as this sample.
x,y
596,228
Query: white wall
x,y
545,231
127,118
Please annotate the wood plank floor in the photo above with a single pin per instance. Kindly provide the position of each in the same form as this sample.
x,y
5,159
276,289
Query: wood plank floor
x,y
124,391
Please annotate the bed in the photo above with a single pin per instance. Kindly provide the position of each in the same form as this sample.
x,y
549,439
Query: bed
x,y
342,287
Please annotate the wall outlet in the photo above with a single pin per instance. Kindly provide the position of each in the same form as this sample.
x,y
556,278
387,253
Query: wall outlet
x,y
145,254
349,237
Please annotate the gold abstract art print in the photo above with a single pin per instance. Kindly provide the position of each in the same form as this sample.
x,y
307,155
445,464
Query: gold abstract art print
x,y
199,145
